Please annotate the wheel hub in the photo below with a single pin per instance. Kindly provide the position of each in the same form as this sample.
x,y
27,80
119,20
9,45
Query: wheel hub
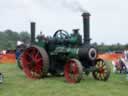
x,y
101,70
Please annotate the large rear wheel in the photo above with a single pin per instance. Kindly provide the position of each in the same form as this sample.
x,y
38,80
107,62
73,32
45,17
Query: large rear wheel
x,y
35,62
73,71
103,70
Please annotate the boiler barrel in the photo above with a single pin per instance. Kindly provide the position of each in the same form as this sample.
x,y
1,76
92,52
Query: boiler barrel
x,y
87,53
82,53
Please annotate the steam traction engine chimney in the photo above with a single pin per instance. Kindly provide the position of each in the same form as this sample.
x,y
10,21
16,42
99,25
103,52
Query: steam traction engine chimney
x,y
86,27
32,29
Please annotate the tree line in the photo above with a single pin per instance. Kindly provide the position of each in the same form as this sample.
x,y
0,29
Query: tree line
x,y
118,48
8,39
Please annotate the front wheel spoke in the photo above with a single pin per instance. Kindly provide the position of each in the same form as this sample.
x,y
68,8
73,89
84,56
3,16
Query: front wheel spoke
x,y
105,70
104,67
98,75
102,76
101,63
98,64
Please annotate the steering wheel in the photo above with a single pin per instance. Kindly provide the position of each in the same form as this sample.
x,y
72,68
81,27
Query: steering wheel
x,y
61,34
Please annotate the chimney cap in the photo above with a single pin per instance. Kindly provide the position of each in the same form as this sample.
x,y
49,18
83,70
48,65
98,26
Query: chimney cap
x,y
32,22
77,29
86,14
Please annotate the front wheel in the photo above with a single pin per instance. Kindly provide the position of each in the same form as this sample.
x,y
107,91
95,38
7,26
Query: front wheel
x,y
103,70
73,71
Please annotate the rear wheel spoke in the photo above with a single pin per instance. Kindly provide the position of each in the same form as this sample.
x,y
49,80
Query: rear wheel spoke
x,y
37,54
38,60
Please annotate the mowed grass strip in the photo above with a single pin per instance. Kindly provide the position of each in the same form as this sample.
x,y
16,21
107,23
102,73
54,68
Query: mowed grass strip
x,y
16,84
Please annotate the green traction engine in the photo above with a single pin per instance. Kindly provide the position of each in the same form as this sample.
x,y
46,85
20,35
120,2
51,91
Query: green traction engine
x,y
63,54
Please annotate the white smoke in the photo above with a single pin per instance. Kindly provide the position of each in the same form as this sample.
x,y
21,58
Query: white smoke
x,y
72,5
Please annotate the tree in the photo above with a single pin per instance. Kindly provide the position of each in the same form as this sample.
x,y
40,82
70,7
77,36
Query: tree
x,y
24,36
8,39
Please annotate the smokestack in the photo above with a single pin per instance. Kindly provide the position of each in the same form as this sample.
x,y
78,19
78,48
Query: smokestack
x,y
86,27
32,29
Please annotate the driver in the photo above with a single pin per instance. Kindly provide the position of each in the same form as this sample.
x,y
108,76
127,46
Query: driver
x,y
41,37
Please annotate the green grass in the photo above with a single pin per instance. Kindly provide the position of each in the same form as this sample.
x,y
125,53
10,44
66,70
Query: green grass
x,y
16,84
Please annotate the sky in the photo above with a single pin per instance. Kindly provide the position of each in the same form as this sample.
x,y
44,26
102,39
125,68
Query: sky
x,y
108,21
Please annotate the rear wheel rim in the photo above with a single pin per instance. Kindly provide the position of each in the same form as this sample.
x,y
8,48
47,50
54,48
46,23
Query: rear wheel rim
x,y
32,63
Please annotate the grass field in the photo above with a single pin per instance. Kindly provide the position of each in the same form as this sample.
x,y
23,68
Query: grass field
x,y
16,84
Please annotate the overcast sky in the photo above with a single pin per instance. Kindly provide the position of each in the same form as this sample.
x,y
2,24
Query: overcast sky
x,y
109,18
